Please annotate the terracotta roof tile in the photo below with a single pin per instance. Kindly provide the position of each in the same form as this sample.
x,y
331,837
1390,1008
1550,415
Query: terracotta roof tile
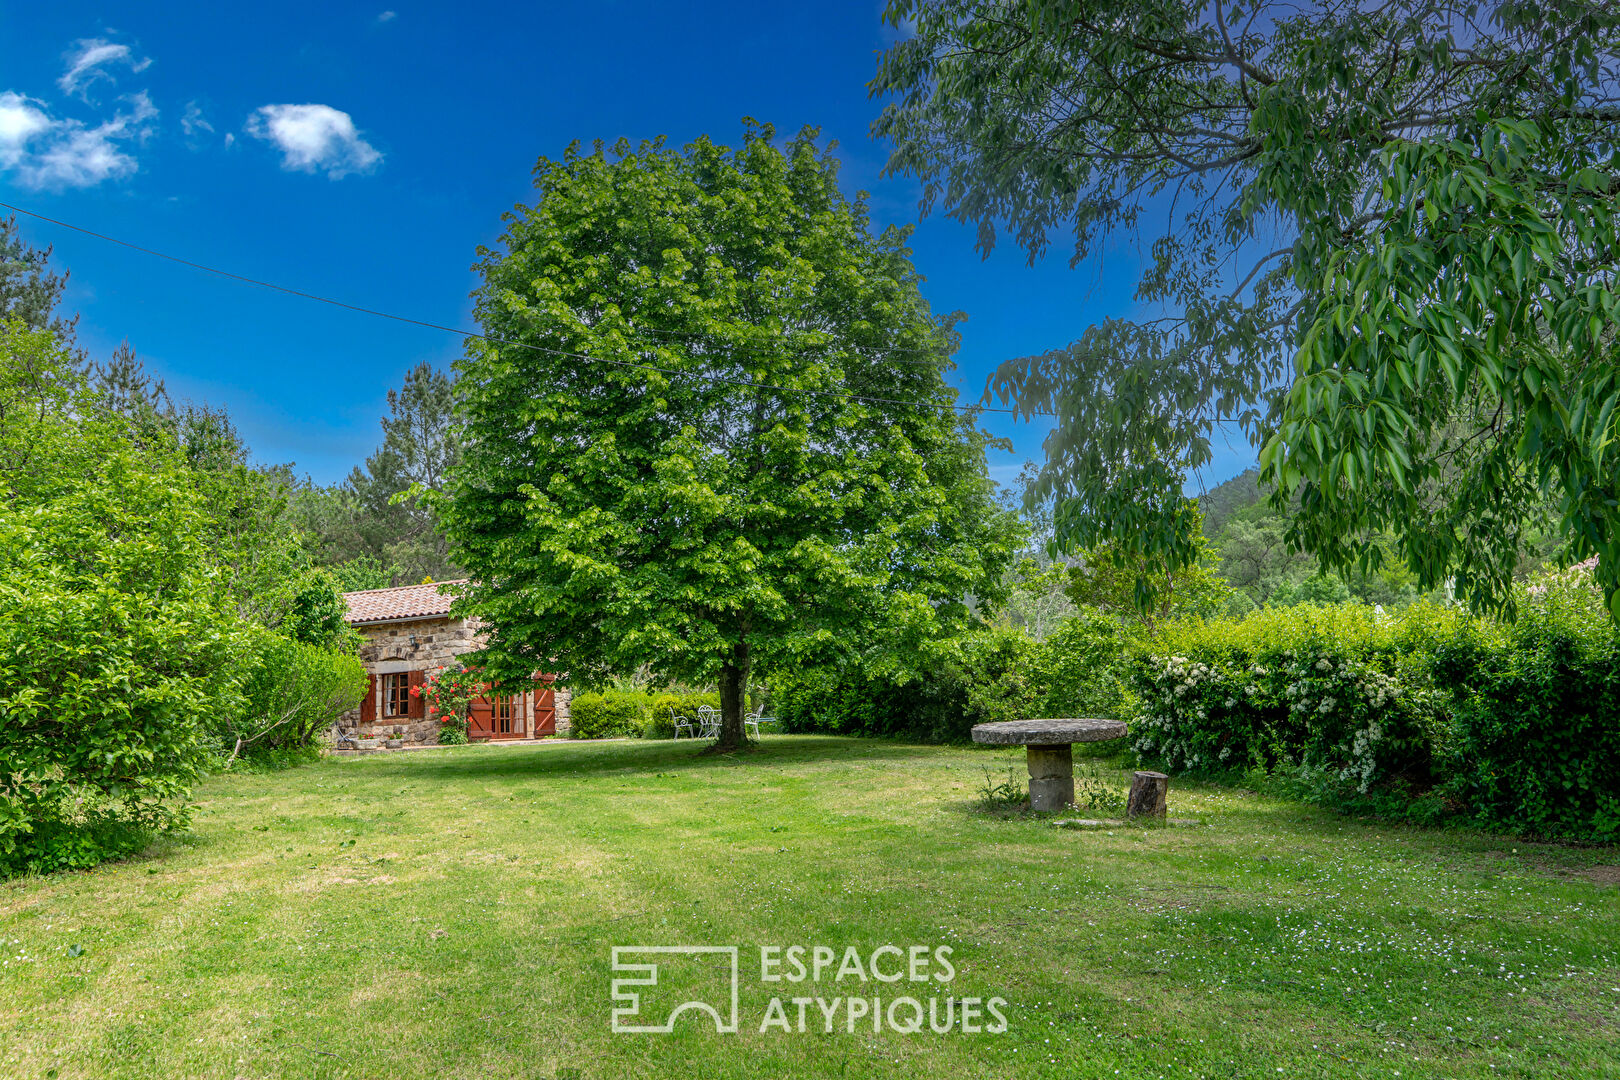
x,y
399,602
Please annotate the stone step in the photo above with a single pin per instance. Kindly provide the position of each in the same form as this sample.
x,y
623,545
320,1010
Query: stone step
x,y
1117,823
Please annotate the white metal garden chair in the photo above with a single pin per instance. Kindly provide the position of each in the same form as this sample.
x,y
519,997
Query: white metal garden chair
x,y
708,722
681,723
756,718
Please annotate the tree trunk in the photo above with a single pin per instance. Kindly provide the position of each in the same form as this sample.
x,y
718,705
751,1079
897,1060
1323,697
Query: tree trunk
x,y
733,699
1149,791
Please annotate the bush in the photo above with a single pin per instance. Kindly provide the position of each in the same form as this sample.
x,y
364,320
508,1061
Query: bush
x,y
1343,693
1087,668
614,714
620,713
1421,716
1535,743
992,674
293,692
79,845
116,651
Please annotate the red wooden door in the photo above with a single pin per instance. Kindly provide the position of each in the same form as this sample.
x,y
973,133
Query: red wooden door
x,y
481,720
545,710
508,717
499,717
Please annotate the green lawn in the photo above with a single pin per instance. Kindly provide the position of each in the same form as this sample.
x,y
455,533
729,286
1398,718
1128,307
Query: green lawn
x,y
450,913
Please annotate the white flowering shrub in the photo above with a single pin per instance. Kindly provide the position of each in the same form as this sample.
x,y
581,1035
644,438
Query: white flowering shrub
x,y
1341,691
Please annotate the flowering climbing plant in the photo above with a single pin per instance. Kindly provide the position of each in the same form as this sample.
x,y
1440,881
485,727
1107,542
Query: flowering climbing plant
x,y
448,692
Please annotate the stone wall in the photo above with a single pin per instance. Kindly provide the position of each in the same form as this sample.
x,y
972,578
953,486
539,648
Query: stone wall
x,y
418,645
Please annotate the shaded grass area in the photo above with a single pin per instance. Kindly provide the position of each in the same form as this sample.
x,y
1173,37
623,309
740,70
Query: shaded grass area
x,y
451,913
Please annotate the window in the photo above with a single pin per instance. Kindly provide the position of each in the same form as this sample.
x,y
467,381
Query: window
x,y
503,715
396,694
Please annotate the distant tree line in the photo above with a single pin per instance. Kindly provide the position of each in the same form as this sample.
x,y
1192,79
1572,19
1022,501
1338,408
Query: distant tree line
x,y
1244,561
361,529
365,529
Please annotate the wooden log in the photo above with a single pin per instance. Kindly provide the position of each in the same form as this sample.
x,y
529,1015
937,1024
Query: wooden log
x,y
1149,795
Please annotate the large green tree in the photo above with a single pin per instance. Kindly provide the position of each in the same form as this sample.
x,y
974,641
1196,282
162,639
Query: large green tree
x,y
1382,241
708,428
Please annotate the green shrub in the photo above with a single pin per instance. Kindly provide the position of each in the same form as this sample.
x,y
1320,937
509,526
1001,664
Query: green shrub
x,y
1342,693
612,714
75,845
117,651
992,674
1087,668
1422,716
622,713
453,734
293,692
1535,742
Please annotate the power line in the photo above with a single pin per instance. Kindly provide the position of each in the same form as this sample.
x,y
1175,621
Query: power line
x,y
473,334
847,396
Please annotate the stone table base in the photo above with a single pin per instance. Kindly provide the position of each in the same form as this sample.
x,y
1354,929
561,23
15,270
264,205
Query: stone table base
x,y
1051,776
1051,761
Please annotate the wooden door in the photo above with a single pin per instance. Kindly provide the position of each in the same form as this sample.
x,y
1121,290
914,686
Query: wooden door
x,y
507,718
481,720
543,713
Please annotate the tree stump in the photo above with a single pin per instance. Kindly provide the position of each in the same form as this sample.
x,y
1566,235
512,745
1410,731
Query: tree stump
x,y
1149,795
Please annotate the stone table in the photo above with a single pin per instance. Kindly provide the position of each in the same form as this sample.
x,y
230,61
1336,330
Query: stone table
x,y
1051,762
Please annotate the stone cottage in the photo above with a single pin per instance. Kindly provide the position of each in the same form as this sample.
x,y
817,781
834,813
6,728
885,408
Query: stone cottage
x,y
408,632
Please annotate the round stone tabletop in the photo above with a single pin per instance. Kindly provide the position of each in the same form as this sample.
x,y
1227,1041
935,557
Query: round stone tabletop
x,y
1048,732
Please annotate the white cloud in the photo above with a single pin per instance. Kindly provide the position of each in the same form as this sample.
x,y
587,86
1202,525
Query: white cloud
x,y
87,62
21,121
388,16
314,138
45,152
194,121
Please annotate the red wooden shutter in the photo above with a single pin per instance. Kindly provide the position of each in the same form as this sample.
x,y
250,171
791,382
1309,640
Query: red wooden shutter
x,y
368,704
481,719
544,712
417,708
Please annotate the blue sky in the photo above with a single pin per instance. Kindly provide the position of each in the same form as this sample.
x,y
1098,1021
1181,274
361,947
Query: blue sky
x,y
364,152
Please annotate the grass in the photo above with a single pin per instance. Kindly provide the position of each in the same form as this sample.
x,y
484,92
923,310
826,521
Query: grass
x,y
450,914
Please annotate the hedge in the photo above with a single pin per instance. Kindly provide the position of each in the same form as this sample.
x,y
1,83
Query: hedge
x,y
1426,715
1342,691
1535,740
992,674
610,714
